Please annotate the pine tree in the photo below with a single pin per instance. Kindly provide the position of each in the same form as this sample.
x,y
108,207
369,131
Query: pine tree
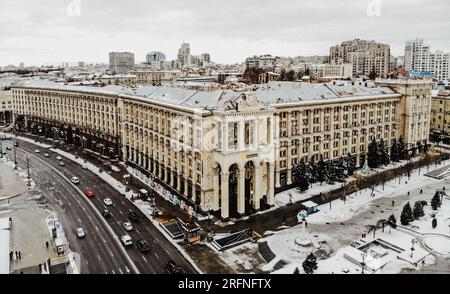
x,y
383,154
321,171
418,210
436,201
402,149
301,176
310,264
392,221
372,155
407,215
394,151
434,223
373,74
296,271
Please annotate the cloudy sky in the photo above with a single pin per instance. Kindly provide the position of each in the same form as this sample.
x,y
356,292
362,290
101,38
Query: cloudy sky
x,y
54,31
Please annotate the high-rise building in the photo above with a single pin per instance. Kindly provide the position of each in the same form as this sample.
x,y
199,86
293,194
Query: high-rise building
x,y
366,57
120,62
155,56
206,58
418,58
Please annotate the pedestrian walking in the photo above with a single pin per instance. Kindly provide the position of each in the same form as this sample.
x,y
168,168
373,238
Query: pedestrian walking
x,y
421,191
11,254
393,203
46,244
17,255
20,256
40,268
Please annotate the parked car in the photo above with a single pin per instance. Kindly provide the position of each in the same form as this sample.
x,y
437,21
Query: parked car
x,y
37,151
16,144
106,213
132,216
8,148
61,163
81,233
173,268
89,193
84,167
127,226
108,202
143,246
126,240
59,158
75,180
46,155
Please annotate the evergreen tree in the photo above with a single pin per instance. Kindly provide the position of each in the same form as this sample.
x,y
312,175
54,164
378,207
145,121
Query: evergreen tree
x,y
383,153
418,210
407,215
351,165
296,271
403,154
301,176
310,264
290,76
436,201
372,155
419,147
395,157
434,223
373,74
392,221
322,170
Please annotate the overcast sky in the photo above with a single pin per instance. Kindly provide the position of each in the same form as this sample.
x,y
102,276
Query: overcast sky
x,y
53,31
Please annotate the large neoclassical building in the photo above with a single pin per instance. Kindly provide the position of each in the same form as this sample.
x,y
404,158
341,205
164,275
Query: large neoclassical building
x,y
225,151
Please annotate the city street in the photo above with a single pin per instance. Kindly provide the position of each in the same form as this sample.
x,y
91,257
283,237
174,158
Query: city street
x,y
101,254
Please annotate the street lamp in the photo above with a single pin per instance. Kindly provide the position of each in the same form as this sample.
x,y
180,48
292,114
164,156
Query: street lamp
x,y
363,263
413,242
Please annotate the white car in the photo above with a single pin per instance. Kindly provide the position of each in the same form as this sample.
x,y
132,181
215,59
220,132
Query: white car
x,y
37,151
58,158
75,180
46,155
61,163
85,167
126,240
108,202
127,226
80,233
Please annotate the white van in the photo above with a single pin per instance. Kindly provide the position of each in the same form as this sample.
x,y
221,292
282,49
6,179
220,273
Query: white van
x,y
126,240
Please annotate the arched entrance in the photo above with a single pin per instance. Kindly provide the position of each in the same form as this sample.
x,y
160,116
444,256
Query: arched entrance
x,y
233,190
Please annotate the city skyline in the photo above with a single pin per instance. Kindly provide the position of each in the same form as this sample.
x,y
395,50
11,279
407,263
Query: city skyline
x,y
60,31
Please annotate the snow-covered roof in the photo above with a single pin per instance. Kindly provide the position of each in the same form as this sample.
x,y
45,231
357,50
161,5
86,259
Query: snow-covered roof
x,y
219,99
309,204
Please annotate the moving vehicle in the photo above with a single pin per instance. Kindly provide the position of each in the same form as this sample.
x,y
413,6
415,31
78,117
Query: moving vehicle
x,y
127,226
132,216
46,155
75,180
108,202
84,167
61,163
16,144
143,246
81,233
126,240
173,268
58,158
89,193
106,213
37,151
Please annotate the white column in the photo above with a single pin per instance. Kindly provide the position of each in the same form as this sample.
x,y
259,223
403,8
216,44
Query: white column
x,y
257,187
241,144
225,203
271,192
241,192
215,199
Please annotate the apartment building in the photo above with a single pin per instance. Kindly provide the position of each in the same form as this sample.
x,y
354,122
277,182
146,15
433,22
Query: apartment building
x,y
336,71
120,62
224,151
155,77
365,56
440,112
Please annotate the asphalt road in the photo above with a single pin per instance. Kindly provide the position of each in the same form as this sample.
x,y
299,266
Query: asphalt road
x,y
102,253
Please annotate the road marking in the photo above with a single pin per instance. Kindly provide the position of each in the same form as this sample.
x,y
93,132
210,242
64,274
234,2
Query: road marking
x,y
123,202
78,201
89,217
103,239
79,219
97,229
113,272
68,203
99,257
137,231
120,211
126,268
121,272
156,255
110,253
145,259
84,209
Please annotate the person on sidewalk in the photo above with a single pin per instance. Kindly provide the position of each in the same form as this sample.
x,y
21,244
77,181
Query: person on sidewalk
x,y
20,256
46,244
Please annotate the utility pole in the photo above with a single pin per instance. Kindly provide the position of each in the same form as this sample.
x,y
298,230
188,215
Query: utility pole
x,y
1,148
363,264
15,158
28,167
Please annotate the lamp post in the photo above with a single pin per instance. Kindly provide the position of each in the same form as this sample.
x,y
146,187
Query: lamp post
x,y
363,263
15,157
413,242
1,148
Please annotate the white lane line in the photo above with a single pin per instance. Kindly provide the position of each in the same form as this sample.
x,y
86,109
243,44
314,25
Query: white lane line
x,y
68,203
145,259
97,229
90,218
113,272
79,219
156,255
110,253
121,272
84,209
103,239
122,202
120,211
99,257
138,231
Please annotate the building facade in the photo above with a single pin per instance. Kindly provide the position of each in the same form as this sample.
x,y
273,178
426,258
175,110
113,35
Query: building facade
x,y
120,62
419,58
337,71
225,151
440,112
366,56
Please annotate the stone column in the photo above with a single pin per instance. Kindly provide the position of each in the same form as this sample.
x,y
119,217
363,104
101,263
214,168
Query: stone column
x,y
257,188
225,213
186,187
241,192
241,137
215,197
271,188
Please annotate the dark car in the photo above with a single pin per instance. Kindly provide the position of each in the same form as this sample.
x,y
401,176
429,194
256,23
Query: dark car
x,y
143,246
106,213
16,144
132,216
173,268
